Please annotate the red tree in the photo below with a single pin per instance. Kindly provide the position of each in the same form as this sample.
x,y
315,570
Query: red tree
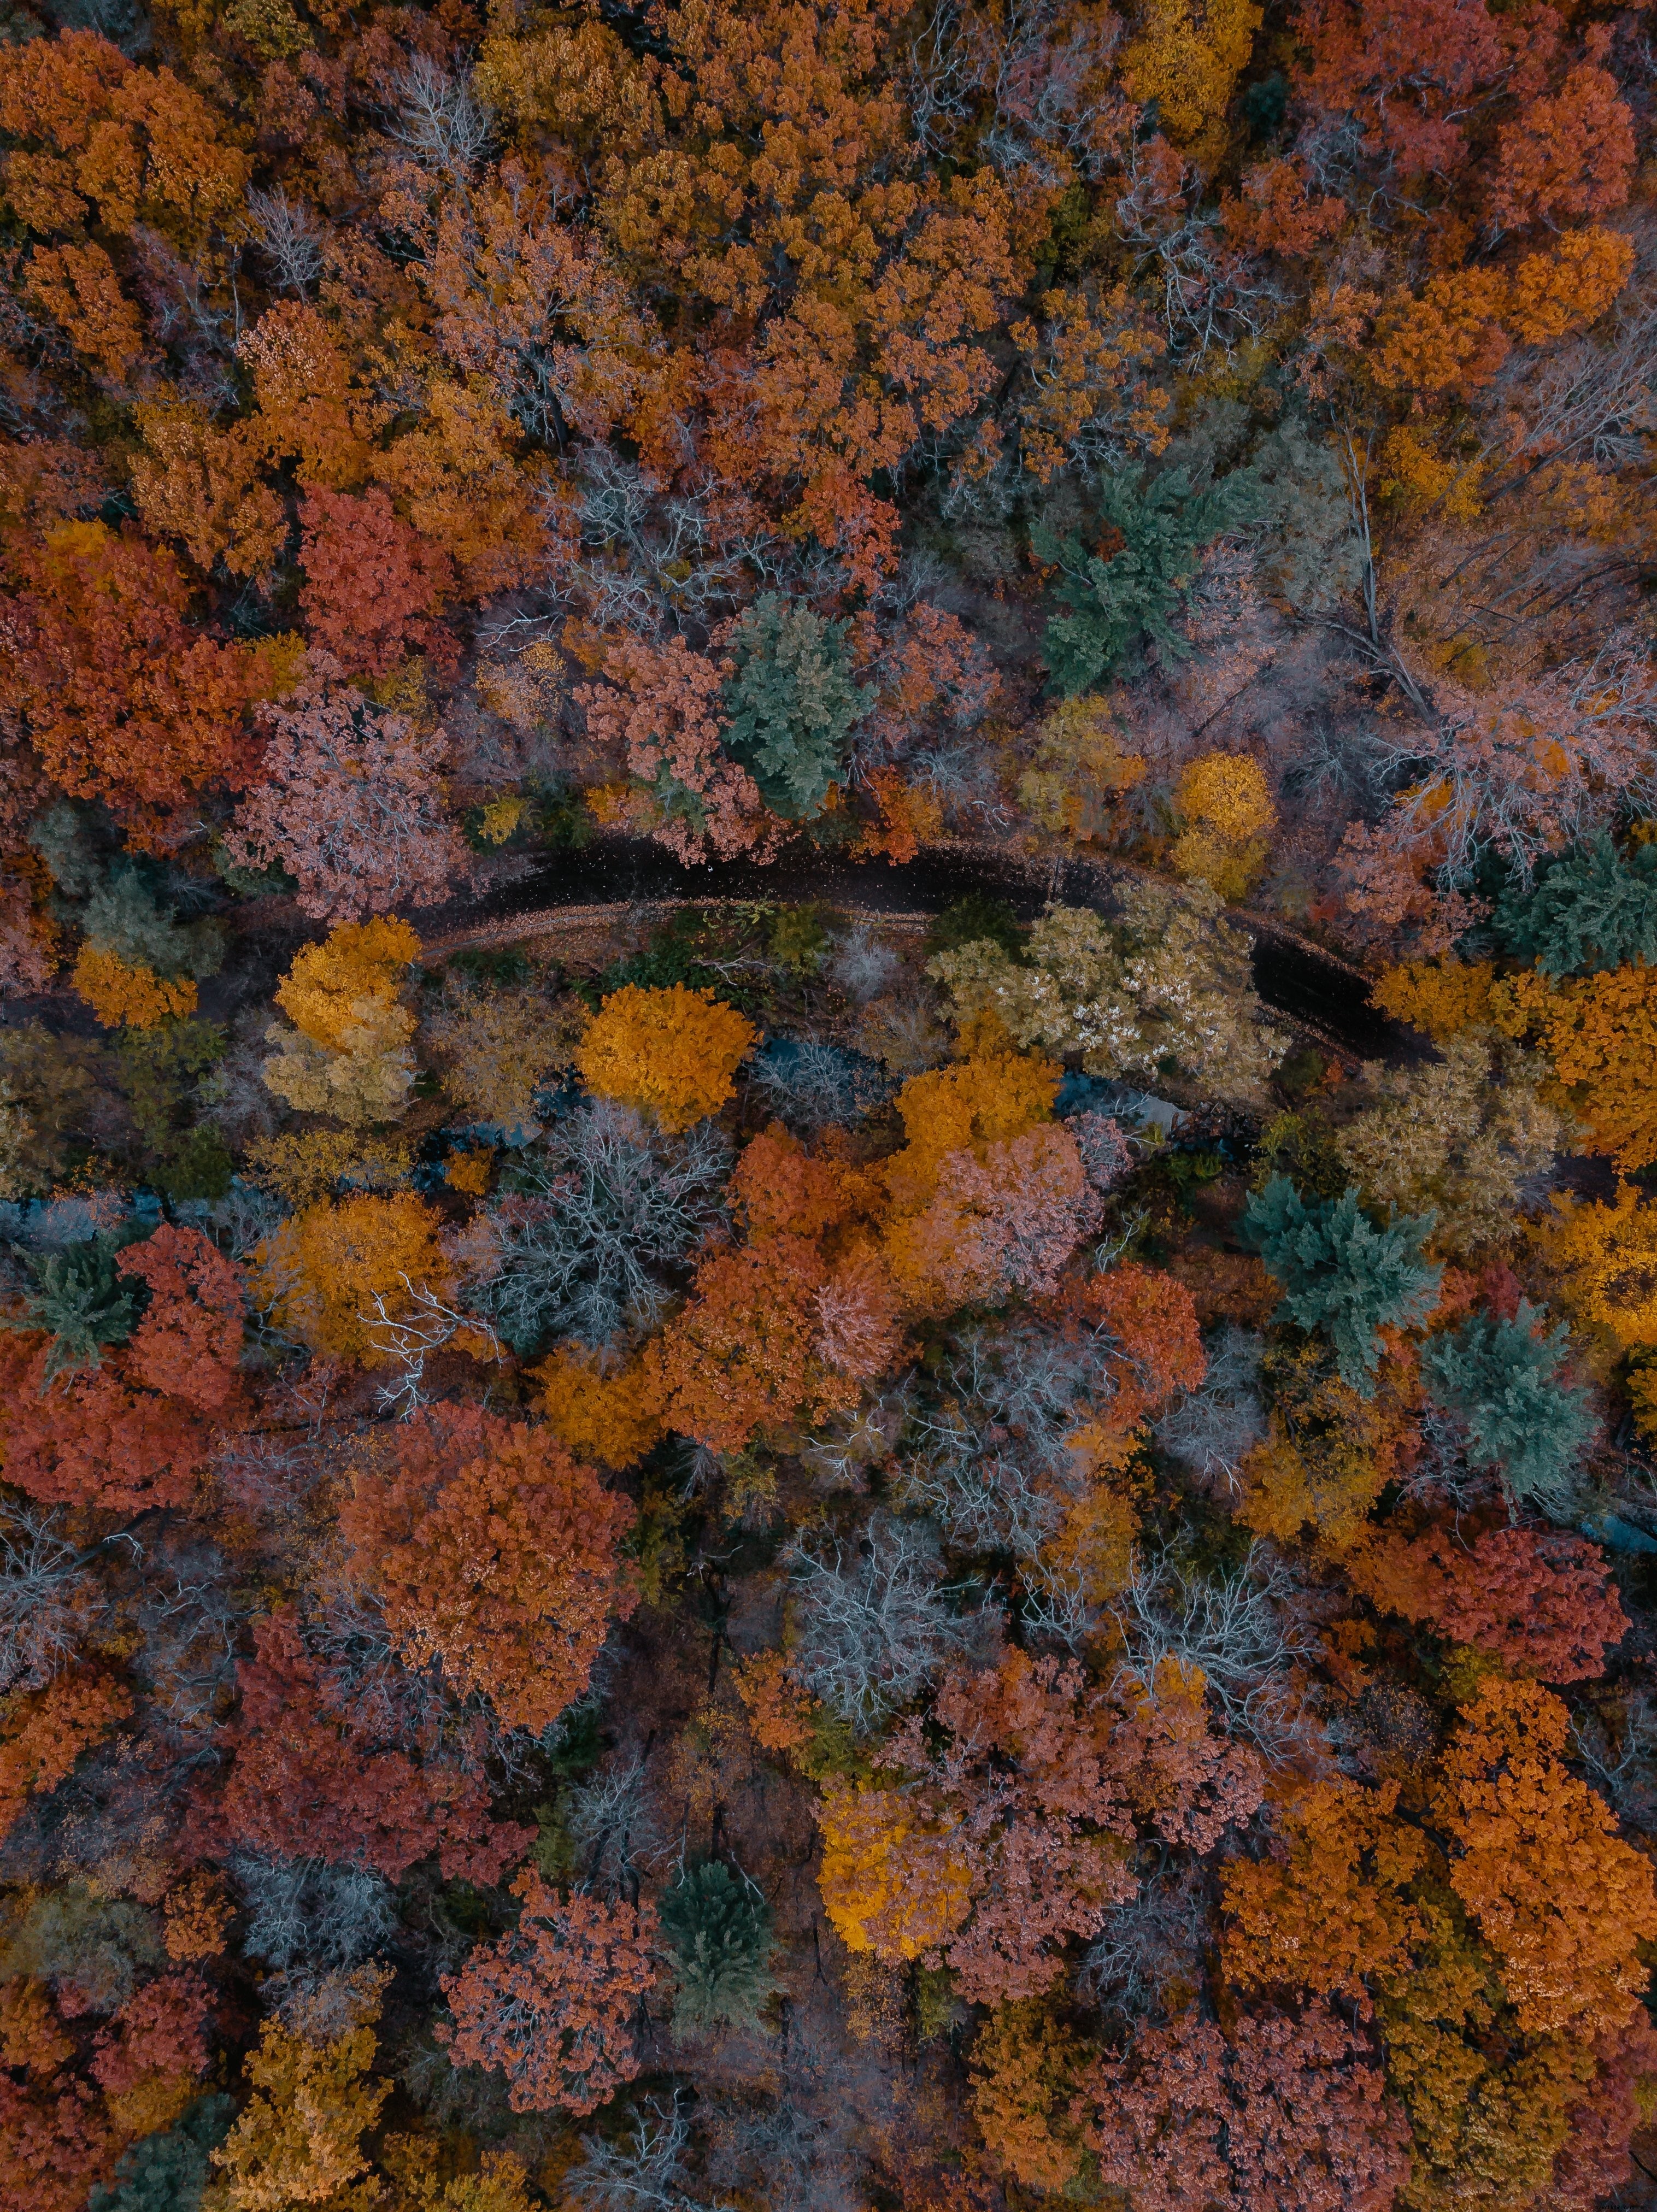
x,y
495,1553
308,1778
140,1429
1543,1601
349,801
1280,2116
121,698
373,584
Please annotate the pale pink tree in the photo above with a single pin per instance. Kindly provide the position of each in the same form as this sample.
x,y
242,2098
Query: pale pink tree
x,y
662,705
1284,2116
350,803
549,2004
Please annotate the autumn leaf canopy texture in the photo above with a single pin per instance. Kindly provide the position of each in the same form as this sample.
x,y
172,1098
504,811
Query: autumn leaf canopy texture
x,y
750,1554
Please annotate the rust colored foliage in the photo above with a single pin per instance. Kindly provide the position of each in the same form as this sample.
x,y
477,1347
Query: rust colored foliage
x,y
310,1777
120,697
1543,1602
44,1733
1277,2115
660,707
140,1429
494,1552
1323,1912
550,2004
1559,1898
55,2141
748,1353
997,1226
373,585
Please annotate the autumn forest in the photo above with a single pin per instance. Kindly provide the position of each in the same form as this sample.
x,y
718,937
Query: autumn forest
x,y
815,1544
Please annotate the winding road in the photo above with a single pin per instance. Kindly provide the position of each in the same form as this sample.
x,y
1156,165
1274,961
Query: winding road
x,y
1325,998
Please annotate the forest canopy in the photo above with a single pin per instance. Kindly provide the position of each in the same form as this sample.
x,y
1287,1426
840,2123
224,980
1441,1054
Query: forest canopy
x,y
826,1550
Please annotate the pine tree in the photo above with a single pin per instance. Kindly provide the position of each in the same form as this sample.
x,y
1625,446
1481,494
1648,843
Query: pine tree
x,y
1593,909
1503,1379
1121,601
792,703
720,1930
1341,1273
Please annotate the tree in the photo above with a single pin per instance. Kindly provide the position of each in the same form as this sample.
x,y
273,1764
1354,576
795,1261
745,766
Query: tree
x,y
123,701
1171,980
133,998
548,2005
1223,804
1460,1136
1184,66
310,1779
498,1048
1544,1603
1442,997
1325,1913
1122,603
599,1229
299,2141
1080,770
791,702
142,1428
719,1928
997,1225
872,1628
373,585
1587,911
1502,1380
319,1274
494,1553
1340,1272
1026,2065
1601,1035
167,2169
44,1732
1604,1256
1085,400
745,1355
201,484
1570,152
664,706
1560,1899
350,1056
671,1053
349,803
1279,2115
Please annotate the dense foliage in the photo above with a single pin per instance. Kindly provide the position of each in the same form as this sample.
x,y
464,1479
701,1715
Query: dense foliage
x,y
777,1554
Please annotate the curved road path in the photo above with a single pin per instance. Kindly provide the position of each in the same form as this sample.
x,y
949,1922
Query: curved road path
x,y
1323,995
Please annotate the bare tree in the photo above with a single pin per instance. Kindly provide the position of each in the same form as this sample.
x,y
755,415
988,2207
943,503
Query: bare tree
x,y
1244,1630
603,1210
290,238
438,119
875,1622
647,2171
48,1598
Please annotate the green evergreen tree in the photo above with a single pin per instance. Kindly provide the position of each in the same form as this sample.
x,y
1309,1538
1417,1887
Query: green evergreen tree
x,y
722,1936
169,2172
1501,1380
82,1302
1591,910
1340,1272
1124,600
792,703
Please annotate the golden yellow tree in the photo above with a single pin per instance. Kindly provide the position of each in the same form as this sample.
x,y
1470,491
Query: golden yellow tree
x,y
671,1053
